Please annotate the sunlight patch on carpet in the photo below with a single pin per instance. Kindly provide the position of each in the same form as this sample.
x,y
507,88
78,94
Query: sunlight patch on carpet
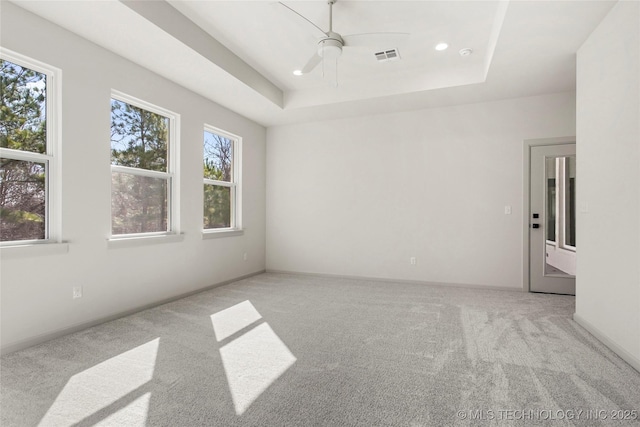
x,y
105,384
233,319
132,415
254,360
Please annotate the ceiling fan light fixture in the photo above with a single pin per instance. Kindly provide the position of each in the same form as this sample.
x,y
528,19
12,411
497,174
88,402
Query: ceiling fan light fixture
x,y
330,48
442,46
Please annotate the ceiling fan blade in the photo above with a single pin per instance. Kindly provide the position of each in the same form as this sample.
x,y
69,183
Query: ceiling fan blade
x,y
301,16
380,40
311,64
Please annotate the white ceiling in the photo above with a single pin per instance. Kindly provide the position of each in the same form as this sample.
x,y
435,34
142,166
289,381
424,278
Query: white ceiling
x,y
241,54
280,41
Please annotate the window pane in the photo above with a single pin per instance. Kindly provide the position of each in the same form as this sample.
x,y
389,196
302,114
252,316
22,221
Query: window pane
x,y
22,200
218,157
23,110
570,201
217,206
138,204
551,198
139,138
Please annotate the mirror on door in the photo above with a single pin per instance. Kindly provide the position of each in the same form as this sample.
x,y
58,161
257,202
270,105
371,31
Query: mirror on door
x,y
560,215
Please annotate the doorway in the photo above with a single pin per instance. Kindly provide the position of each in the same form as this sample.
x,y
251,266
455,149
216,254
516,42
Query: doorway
x,y
551,212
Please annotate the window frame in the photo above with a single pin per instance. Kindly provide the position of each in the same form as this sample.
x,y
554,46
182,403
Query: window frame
x,y
235,185
172,174
52,155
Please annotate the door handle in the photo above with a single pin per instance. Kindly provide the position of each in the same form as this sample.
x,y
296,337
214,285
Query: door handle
x,y
535,225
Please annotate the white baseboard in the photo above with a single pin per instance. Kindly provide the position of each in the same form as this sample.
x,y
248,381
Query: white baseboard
x,y
39,339
413,282
617,349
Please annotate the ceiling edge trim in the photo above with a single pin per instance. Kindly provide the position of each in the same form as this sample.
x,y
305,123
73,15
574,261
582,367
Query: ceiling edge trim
x,y
501,13
174,23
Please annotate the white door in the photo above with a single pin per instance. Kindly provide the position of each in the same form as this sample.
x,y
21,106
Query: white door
x,y
552,230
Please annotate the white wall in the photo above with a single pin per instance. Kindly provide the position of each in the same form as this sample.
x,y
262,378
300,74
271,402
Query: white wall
x,y
359,197
36,291
608,156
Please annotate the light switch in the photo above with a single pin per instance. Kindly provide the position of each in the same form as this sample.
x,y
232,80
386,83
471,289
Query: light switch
x,y
584,207
507,210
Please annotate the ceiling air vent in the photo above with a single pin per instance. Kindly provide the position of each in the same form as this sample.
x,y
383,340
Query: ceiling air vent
x,y
387,55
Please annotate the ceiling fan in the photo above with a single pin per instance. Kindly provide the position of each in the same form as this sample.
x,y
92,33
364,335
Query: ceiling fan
x,y
330,44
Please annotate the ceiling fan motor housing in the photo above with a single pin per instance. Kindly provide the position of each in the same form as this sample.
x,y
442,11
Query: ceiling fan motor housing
x,y
331,46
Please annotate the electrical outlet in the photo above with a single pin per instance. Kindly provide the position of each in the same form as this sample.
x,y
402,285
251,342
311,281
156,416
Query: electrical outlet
x,y
413,260
77,292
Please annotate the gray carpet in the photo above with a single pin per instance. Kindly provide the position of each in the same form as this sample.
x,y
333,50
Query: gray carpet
x,y
290,350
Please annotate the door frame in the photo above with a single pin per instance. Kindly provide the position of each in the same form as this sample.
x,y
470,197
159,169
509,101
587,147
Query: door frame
x,y
526,200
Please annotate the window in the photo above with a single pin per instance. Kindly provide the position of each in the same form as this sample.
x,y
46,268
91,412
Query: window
x,y
561,201
551,199
221,180
570,201
143,163
28,159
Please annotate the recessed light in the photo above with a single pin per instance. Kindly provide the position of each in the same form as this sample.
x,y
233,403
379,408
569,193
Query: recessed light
x,y
442,46
466,51
297,73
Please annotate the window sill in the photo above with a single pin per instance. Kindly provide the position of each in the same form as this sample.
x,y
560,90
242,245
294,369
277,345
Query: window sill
x,y
34,249
216,234
132,242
